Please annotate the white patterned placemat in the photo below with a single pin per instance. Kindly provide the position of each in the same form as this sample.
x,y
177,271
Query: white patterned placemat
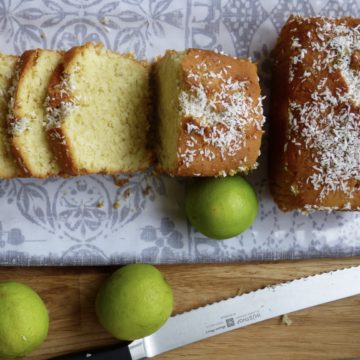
x,y
74,221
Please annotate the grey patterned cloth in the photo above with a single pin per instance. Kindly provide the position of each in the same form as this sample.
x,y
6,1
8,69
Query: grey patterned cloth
x,y
74,221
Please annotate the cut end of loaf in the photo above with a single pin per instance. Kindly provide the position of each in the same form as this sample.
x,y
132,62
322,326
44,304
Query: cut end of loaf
x,y
167,81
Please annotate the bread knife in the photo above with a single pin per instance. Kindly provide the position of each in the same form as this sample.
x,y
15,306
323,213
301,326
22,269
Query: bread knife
x,y
233,313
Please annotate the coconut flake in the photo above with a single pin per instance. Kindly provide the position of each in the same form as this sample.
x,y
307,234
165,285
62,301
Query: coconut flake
x,y
230,107
67,90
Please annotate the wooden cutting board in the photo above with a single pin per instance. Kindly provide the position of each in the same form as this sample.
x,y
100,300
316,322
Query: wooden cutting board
x,y
330,331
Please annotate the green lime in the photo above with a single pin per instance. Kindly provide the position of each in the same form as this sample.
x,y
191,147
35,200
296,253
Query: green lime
x,y
221,208
134,302
24,320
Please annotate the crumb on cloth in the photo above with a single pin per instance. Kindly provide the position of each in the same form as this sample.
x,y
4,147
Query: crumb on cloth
x,y
127,193
148,190
120,182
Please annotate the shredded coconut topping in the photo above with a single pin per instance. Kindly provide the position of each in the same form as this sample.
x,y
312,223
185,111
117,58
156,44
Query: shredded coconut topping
x,y
68,104
329,123
220,117
18,126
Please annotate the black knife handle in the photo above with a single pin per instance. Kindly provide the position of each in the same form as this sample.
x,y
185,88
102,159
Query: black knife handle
x,y
118,352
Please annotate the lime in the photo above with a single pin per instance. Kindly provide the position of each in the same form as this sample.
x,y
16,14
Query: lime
x,y
221,208
134,302
24,320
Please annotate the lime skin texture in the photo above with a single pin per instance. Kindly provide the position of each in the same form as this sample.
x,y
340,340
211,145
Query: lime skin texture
x,y
221,208
134,302
24,320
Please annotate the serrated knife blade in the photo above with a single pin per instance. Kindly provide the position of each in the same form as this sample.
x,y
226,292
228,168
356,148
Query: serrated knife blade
x,y
236,312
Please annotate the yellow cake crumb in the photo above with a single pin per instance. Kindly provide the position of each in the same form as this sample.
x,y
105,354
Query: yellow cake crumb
x,y
286,320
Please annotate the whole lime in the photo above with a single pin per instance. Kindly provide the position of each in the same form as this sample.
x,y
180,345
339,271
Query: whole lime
x,y
134,302
221,208
24,320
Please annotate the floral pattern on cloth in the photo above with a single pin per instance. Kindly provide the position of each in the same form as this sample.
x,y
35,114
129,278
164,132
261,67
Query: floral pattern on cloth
x,y
91,220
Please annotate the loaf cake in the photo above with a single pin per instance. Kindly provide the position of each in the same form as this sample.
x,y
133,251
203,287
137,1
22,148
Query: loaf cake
x,y
97,112
315,115
8,165
26,116
208,114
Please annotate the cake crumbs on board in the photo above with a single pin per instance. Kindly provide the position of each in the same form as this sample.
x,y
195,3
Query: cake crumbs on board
x,y
285,320
239,291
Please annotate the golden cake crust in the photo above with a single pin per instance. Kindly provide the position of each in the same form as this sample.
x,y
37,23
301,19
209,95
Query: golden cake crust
x,y
202,150
56,136
12,169
310,167
26,61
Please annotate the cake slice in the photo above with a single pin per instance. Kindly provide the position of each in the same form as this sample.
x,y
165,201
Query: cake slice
x,y
209,114
315,115
8,165
98,109
26,116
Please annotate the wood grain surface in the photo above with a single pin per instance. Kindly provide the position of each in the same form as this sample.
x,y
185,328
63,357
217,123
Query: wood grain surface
x,y
330,331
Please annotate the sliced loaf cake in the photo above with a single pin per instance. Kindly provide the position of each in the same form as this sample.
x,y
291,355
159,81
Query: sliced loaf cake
x,y
97,108
28,137
8,166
